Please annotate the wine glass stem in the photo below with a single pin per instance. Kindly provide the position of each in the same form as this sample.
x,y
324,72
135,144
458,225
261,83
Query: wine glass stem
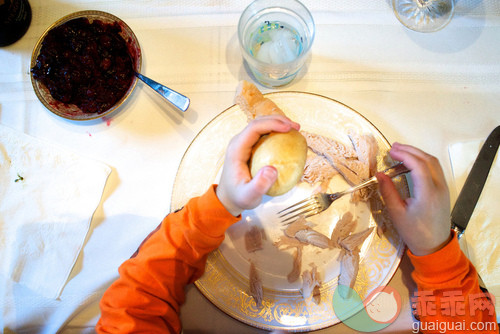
x,y
424,15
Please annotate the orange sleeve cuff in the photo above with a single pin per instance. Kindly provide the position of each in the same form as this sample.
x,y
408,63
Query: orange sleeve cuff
x,y
209,210
443,266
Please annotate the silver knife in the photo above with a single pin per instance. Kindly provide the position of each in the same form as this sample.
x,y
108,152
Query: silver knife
x,y
473,186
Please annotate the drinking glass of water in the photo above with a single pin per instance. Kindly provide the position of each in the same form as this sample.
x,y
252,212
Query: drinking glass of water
x,y
275,38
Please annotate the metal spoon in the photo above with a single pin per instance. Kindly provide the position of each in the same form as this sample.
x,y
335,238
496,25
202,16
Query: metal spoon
x,y
178,100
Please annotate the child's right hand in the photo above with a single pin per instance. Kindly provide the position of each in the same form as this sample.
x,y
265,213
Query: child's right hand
x,y
423,221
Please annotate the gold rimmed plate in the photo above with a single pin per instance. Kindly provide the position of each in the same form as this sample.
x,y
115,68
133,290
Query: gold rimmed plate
x,y
71,111
226,279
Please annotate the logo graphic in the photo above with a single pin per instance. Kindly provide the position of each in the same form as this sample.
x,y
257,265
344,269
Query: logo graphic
x,y
380,308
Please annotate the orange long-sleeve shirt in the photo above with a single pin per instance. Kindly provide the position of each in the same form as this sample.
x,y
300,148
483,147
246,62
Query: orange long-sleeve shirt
x,y
449,296
150,290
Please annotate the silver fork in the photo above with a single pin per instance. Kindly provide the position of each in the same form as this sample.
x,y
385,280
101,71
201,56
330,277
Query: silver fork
x,y
320,202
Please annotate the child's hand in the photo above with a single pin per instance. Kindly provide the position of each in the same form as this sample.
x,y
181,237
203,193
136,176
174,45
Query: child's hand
x,y
423,221
237,191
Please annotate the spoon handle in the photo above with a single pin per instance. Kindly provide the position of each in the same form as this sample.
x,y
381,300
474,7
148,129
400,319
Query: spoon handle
x,y
178,100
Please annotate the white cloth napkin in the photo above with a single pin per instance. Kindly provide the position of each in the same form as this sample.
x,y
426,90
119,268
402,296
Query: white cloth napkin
x,y
480,241
47,199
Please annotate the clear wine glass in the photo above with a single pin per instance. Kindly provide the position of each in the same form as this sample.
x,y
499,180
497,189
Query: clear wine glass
x,y
424,15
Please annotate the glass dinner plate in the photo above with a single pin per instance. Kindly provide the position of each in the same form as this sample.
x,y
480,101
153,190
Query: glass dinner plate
x,y
225,282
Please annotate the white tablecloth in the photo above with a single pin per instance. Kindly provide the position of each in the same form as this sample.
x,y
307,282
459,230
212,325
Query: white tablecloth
x,y
428,90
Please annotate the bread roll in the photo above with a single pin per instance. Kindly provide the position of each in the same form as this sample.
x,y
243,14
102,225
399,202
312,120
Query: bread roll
x,y
284,151
253,103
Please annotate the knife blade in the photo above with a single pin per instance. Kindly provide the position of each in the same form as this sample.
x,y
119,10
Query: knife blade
x,y
473,186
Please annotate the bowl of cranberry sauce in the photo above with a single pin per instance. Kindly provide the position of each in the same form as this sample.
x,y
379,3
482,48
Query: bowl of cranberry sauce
x,y
83,66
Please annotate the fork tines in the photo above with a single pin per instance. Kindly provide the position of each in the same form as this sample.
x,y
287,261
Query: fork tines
x,y
307,207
